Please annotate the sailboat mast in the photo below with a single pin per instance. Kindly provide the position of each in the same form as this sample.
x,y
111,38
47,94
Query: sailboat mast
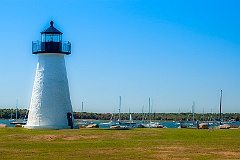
x,y
129,113
149,110
193,107
16,108
220,106
179,114
203,114
120,99
143,114
82,106
11,114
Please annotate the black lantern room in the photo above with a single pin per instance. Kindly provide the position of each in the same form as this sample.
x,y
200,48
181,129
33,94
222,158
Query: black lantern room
x,y
51,42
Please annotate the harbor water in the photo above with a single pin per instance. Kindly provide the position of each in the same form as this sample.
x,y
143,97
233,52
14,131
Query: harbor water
x,y
167,124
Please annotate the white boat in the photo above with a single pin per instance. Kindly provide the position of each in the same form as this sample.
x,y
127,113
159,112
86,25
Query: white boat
x,y
18,121
112,122
150,124
11,119
84,123
130,123
123,124
153,125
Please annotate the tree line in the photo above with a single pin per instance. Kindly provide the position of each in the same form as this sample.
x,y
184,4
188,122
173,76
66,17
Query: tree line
x,y
159,116
22,113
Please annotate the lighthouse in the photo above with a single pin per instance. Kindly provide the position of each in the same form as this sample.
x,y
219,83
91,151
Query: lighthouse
x,y
50,106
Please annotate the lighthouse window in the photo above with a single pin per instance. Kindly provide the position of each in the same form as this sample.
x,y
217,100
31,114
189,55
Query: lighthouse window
x,y
48,37
43,38
55,38
52,38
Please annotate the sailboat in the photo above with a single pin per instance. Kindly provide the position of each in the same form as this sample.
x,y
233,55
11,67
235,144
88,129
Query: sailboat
x,y
112,122
150,124
16,121
11,119
223,125
190,124
193,124
130,123
119,124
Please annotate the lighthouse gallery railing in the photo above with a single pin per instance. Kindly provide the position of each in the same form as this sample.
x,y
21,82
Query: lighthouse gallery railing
x,y
51,47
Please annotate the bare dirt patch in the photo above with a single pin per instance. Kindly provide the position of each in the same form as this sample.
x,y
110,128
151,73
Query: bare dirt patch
x,y
51,137
63,137
228,154
44,137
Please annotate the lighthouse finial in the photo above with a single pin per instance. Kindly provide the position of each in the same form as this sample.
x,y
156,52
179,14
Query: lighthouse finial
x,y
51,23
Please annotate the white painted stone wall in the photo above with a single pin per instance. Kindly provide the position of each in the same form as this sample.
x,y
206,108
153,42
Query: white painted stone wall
x,y
50,100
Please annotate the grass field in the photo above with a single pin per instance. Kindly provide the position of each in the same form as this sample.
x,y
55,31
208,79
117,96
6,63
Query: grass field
x,y
19,143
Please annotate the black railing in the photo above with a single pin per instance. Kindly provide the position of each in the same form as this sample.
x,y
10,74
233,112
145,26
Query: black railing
x,y
51,47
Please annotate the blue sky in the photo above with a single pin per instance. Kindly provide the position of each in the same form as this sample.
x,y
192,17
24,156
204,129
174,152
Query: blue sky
x,y
174,52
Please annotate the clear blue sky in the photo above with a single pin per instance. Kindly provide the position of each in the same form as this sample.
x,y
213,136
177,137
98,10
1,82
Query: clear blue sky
x,y
174,52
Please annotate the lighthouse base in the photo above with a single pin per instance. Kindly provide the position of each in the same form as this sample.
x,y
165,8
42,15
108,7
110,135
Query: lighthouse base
x,y
46,127
50,106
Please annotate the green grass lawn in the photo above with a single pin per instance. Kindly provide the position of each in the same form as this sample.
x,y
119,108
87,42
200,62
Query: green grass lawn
x,y
19,143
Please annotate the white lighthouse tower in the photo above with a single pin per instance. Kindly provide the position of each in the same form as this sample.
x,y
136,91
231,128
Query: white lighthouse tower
x,y
50,106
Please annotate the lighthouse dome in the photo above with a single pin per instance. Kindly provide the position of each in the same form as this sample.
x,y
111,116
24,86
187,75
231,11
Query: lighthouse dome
x,y
51,42
51,30
51,34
